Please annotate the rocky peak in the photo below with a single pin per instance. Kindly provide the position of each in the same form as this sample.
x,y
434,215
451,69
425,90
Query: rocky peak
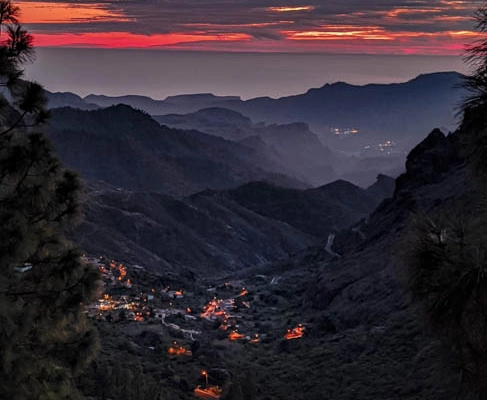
x,y
382,188
430,160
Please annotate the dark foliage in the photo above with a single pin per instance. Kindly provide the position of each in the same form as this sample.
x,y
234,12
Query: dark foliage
x,y
44,337
447,262
476,56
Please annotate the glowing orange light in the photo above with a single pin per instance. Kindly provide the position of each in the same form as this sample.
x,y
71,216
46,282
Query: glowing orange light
x,y
212,392
234,336
255,339
295,333
178,351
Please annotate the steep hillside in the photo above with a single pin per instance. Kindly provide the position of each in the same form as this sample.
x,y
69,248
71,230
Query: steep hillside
x,y
215,232
202,234
126,148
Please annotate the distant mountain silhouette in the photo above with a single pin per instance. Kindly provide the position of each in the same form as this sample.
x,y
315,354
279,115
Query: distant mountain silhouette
x,y
172,104
67,99
126,148
217,121
400,110
293,147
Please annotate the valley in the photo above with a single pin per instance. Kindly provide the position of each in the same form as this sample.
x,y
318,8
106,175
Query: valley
x,y
250,288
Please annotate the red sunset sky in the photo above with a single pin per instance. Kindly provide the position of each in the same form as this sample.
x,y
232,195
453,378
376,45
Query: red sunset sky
x,y
438,27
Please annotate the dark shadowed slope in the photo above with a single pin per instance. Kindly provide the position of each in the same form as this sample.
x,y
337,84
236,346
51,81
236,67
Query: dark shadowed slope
x,y
204,234
383,188
319,211
217,232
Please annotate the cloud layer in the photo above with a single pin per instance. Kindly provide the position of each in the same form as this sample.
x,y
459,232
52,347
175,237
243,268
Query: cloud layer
x,y
372,26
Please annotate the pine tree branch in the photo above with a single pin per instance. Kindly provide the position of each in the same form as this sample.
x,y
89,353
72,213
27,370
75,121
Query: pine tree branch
x,y
15,125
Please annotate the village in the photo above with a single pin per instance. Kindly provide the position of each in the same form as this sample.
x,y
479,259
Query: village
x,y
226,315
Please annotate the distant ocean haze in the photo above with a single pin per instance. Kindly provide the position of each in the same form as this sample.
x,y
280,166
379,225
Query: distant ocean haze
x,y
158,73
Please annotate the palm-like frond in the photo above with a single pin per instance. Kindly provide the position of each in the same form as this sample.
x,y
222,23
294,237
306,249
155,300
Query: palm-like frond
x,y
476,57
9,13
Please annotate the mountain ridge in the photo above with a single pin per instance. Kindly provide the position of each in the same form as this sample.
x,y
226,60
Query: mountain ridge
x,y
441,92
127,148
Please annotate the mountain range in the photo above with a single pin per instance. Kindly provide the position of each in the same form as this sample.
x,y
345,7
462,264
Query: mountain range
x,y
126,148
400,111
338,131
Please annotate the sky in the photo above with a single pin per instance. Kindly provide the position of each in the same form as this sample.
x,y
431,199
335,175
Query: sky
x,y
433,27
247,48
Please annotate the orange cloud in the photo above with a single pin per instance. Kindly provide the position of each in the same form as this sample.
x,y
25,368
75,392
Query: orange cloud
x,y
338,32
350,32
242,25
397,12
290,9
375,27
50,12
129,40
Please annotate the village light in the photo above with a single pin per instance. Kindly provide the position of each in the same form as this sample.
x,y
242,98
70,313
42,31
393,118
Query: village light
x,y
206,376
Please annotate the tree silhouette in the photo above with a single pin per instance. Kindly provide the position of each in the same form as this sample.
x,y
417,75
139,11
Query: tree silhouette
x,y
447,261
9,13
474,106
476,56
44,337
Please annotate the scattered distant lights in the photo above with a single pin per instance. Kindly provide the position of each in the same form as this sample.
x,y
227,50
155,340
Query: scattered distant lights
x,y
386,147
344,131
